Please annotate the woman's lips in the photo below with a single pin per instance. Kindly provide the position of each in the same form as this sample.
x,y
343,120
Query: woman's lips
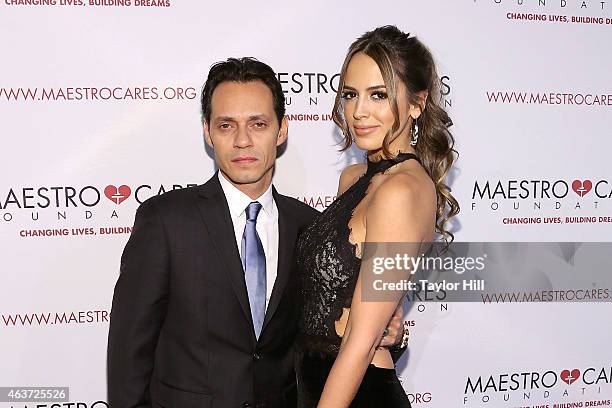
x,y
364,130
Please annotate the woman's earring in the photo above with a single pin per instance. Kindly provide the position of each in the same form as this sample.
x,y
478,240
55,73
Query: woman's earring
x,y
415,133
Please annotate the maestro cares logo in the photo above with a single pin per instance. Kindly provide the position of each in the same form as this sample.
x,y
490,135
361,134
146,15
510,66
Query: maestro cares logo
x,y
63,202
594,6
538,195
311,85
570,382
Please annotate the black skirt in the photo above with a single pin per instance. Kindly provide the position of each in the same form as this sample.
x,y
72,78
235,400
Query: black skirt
x,y
380,387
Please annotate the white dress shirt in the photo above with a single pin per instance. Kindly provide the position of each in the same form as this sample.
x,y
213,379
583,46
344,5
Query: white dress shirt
x,y
266,226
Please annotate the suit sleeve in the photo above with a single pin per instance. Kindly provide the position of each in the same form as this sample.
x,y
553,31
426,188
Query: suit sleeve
x,y
139,306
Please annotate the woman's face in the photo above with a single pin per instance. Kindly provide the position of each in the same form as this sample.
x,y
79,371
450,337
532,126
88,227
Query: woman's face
x,y
366,105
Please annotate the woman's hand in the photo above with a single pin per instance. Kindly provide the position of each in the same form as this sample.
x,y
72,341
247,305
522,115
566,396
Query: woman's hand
x,y
394,332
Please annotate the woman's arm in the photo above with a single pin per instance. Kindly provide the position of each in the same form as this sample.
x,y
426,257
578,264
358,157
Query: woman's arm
x,y
401,210
395,328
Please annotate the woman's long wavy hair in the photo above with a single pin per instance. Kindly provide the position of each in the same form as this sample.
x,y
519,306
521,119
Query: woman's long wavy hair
x,y
405,58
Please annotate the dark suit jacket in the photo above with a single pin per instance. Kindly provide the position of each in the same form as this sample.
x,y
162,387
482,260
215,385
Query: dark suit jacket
x,y
181,333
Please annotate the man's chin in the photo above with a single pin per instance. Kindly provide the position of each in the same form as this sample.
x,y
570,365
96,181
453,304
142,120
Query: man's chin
x,y
244,177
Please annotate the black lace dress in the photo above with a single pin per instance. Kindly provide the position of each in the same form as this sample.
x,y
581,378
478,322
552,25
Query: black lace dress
x,y
329,267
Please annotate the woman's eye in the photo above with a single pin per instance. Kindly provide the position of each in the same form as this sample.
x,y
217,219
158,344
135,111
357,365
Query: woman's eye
x,y
379,95
347,95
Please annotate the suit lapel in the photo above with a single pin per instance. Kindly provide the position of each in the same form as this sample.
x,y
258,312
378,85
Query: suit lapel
x,y
287,234
216,216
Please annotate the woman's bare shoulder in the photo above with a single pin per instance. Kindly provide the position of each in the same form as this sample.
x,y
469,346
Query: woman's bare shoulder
x,y
405,195
349,176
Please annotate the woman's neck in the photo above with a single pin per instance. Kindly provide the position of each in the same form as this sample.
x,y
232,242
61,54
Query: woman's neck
x,y
399,145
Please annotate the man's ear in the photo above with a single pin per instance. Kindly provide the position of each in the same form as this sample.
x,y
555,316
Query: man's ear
x,y
207,135
416,110
283,131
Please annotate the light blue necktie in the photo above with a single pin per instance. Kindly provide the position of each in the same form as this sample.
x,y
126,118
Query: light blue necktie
x,y
254,265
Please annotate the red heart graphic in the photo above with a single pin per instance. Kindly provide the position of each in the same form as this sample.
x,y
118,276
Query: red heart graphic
x,y
582,187
117,195
570,377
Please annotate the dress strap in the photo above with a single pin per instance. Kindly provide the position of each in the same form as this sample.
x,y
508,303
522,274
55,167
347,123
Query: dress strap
x,y
385,164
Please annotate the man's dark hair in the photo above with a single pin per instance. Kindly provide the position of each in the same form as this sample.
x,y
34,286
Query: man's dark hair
x,y
244,69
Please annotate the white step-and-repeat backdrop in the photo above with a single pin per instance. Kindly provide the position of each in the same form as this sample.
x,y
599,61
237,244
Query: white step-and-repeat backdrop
x,y
99,111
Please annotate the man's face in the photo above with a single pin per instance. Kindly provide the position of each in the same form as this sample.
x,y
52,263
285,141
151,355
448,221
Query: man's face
x,y
244,131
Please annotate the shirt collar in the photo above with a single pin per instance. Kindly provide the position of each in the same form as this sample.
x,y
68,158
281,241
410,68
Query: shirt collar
x,y
238,201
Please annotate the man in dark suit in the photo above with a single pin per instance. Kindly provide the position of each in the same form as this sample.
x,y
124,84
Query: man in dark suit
x,y
206,306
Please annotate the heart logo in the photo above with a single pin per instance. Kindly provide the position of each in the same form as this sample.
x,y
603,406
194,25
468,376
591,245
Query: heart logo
x,y
582,187
570,377
117,194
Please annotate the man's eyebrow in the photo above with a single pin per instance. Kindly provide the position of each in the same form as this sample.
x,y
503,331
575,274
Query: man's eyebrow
x,y
257,116
371,88
224,119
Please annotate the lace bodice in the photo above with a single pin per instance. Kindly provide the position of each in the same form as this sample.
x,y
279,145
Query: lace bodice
x,y
329,265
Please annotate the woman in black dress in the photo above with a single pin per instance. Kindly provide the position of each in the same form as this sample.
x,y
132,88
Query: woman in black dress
x,y
387,104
